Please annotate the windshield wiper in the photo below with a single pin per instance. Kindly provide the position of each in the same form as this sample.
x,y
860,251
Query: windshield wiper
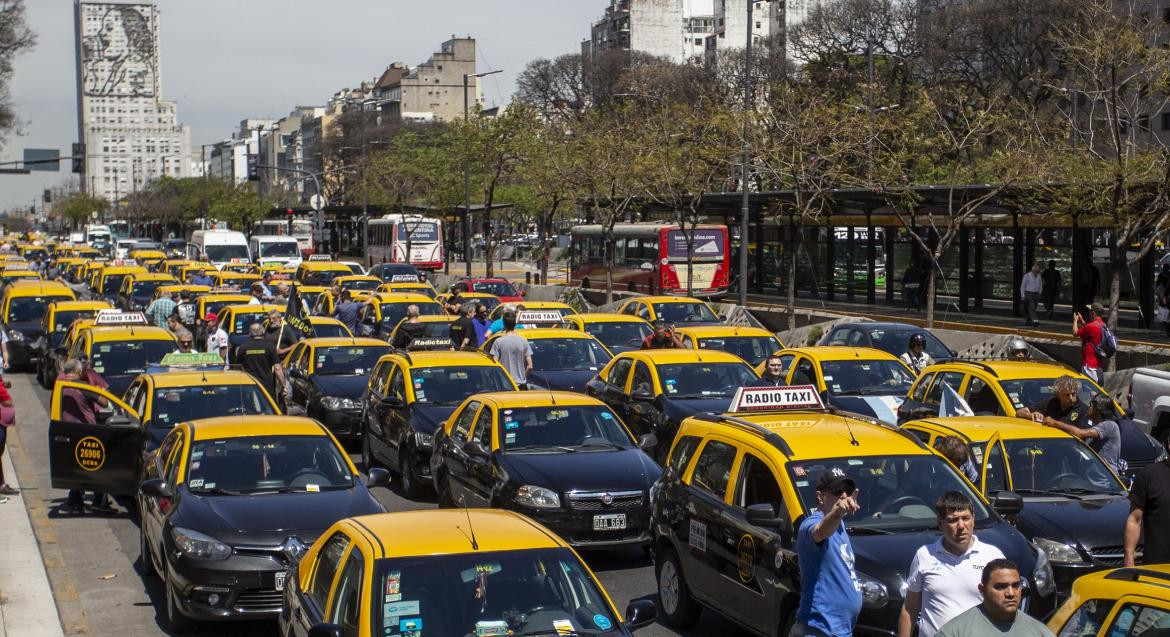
x,y
867,530
217,491
1065,493
607,444
1082,491
543,448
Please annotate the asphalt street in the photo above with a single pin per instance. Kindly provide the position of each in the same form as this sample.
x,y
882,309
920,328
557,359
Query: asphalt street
x,y
92,559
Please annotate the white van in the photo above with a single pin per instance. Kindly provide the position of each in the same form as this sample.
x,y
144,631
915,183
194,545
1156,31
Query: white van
x,y
271,248
95,234
218,247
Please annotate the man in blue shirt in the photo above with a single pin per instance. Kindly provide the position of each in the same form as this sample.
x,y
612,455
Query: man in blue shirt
x,y
482,323
830,591
347,311
201,279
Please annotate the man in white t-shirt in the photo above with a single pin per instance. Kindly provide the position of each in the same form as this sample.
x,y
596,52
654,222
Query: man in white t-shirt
x,y
217,338
944,576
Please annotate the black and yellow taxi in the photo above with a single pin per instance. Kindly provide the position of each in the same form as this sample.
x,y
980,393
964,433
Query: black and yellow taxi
x,y
675,310
21,272
148,259
238,280
408,397
1132,601
539,313
413,287
109,279
752,344
654,390
309,294
562,359
120,352
328,377
1003,387
138,289
22,307
58,356
469,572
436,333
617,332
236,320
226,505
320,272
382,312
737,486
59,315
489,301
1075,506
862,380
215,299
238,264
86,252
562,459
327,326
193,268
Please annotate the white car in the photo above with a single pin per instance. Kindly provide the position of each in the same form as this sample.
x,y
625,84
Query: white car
x,y
355,266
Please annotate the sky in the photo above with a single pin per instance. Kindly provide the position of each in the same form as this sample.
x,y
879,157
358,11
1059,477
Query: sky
x,y
227,60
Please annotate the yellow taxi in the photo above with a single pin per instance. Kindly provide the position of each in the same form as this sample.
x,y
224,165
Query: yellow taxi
x,y
109,279
542,310
278,270
138,289
863,380
680,311
436,337
119,354
84,251
193,268
173,266
1125,601
408,574
408,397
752,344
217,299
142,256
32,251
59,316
236,320
22,308
238,280
327,326
238,265
309,294
617,332
327,377
67,263
12,274
382,312
489,301
562,360
357,283
320,272
179,288
736,487
415,287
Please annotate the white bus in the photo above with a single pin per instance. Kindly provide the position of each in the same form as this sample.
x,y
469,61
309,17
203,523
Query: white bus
x,y
389,236
95,234
302,231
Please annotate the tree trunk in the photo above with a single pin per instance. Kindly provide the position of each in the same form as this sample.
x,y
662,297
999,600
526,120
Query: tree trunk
x,y
690,236
930,292
790,282
543,264
1117,256
609,256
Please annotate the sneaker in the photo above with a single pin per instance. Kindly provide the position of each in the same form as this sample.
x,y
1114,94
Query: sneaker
x,y
71,509
7,490
103,506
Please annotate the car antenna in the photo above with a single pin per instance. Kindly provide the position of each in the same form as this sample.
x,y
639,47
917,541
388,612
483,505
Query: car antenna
x,y
552,398
848,427
470,526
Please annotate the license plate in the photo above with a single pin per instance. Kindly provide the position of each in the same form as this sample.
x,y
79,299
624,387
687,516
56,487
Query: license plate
x,y
612,522
280,580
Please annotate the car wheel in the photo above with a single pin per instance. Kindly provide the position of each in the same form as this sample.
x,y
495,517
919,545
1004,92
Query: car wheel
x,y
147,567
410,486
177,622
679,610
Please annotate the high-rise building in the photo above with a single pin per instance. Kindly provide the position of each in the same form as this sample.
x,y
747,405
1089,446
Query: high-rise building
x,y
432,91
131,134
682,30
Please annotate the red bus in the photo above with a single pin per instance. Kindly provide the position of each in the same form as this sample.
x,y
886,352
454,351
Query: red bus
x,y
653,257
389,235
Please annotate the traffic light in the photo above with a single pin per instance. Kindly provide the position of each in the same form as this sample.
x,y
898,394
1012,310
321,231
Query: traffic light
x,y
48,196
253,168
79,158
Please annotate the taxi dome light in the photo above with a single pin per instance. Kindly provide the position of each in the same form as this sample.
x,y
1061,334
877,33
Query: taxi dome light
x,y
537,497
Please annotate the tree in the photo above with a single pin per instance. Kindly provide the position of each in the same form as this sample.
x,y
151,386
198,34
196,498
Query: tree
x,y
549,174
15,38
79,208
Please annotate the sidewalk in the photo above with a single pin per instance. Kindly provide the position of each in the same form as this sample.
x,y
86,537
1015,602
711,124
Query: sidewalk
x,y
27,608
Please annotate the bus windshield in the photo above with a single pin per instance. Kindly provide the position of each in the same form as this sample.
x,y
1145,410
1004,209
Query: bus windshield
x,y
280,249
225,253
418,231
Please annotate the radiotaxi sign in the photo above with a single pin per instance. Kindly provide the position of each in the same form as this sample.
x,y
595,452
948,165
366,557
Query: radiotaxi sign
x,y
530,317
776,398
116,317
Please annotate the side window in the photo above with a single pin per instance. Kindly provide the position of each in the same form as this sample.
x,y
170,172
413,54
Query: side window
x,y
954,379
642,378
619,372
1136,620
160,458
919,391
924,436
174,459
839,336
482,431
327,562
713,468
757,485
786,364
1088,619
632,308
681,455
996,471
345,603
643,311
857,339
397,387
132,394
463,423
980,396
379,376
804,373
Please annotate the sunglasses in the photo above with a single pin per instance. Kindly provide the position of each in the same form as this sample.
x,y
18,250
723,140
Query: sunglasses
x,y
843,491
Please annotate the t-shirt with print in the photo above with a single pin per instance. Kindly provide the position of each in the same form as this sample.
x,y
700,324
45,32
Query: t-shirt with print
x,y
830,591
949,583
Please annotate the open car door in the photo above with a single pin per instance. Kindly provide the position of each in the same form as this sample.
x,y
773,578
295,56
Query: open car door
x,y
995,474
104,457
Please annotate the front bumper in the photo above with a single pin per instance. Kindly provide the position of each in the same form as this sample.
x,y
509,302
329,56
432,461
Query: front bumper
x,y
21,353
344,423
576,526
245,584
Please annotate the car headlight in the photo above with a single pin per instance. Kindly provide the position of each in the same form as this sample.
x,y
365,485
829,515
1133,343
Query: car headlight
x,y
873,592
196,545
15,335
1044,579
336,402
423,440
537,497
1058,552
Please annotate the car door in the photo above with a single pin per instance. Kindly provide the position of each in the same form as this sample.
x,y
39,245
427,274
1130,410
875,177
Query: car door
x,y
480,478
707,553
374,407
151,510
454,457
995,473
299,382
641,416
612,390
312,594
105,456
913,405
345,598
397,422
1134,616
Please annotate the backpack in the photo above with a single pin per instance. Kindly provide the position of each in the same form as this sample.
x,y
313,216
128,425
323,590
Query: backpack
x,y
1107,346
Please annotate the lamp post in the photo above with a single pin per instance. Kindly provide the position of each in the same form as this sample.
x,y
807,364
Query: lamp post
x,y
467,177
745,176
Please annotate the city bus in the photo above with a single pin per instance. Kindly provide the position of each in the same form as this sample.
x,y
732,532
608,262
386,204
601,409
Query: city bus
x,y
653,257
302,231
388,237
120,228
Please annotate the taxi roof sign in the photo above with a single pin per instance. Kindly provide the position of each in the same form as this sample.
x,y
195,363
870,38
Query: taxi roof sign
x,y
424,343
539,316
118,317
239,261
776,398
320,257
404,278
123,262
192,359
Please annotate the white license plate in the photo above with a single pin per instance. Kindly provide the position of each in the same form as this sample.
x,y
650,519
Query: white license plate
x,y
280,580
611,522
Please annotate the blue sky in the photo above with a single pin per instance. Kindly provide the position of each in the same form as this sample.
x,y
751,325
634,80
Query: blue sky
x,y
225,60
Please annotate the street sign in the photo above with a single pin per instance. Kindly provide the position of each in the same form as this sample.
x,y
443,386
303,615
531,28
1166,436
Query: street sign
x,y
317,202
45,159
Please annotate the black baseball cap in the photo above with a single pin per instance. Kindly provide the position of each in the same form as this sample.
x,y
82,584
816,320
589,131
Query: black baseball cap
x,y
833,480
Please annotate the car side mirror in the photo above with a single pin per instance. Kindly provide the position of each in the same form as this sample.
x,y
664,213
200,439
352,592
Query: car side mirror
x,y
377,477
647,441
326,630
640,613
474,449
118,419
764,515
156,489
1007,503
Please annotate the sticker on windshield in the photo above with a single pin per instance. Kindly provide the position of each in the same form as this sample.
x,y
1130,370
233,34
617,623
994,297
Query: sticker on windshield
x,y
398,609
509,438
512,425
103,348
854,463
828,379
393,583
99,368
507,411
557,414
195,455
602,622
606,415
798,470
312,488
196,483
563,626
801,483
491,628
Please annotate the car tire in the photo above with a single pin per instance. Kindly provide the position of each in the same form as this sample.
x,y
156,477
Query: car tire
x,y
679,610
410,486
147,566
176,621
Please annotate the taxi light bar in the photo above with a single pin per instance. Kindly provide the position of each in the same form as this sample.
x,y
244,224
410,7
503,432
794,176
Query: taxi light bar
x,y
117,317
122,262
224,289
320,257
776,398
191,359
423,343
240,261
399,278
539,316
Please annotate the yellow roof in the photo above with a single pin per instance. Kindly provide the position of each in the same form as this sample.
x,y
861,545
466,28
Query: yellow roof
x,y
253,309
123,269
716,331
840,353
447,358
69,306
413,285
605,317
1148,580
248,426
982,428
513,399
816,434
106,334
164,380
148,254
154,276
224,296
20,272
402,297
545,305
444,532
676,356
326,320
310,289
324,265
352,278
342,341
553,332
1014,370
38,288
667,299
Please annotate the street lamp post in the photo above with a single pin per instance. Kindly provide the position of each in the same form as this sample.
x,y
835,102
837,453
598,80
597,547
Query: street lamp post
x,y
745,176
467,177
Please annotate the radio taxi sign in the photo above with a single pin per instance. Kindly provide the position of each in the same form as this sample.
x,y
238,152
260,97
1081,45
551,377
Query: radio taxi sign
x,y
775,398
320,257
404,278
116,317
539,316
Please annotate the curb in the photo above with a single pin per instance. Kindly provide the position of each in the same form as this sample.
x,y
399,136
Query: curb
x,y
27,607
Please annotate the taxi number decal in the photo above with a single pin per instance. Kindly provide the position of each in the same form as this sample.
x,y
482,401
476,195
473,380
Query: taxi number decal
x,y
697,537
746,558
90,453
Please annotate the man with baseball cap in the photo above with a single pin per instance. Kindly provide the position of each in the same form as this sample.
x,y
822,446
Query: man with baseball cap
x,y
831,593
217,337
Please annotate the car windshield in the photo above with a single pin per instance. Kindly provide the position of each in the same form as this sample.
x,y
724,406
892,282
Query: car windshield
x,y
393,313
178,404
1030,392
243,320
325,277
386,272
413,290
30,308
521,592
1055,465
146,288
121,358
685,313
257,464
175,244
705,380
896,493
280,249
225,253
451,385
356,268
111,283
63,319
753,349
536,428
894,341
625,334
437,329
346,360
213,307
362,284
553,354
866,378
498,288
328,330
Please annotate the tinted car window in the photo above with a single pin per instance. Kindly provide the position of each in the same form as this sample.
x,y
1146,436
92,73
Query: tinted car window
x,y
619,334
452,385
258,464
713,468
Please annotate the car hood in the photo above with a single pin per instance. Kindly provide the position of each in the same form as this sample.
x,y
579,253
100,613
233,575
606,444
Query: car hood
x,y
341,386
610,470
1136,446
428,418
676,409
269,519
884,408
1088,523
561,379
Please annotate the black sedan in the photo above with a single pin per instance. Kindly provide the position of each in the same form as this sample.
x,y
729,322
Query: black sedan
x,y
395,272
889,337
328,376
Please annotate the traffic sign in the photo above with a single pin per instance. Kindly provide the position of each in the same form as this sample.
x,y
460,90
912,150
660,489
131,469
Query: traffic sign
x,y
317,202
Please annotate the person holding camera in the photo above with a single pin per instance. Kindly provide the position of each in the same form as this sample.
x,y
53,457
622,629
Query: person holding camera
x,y
663,337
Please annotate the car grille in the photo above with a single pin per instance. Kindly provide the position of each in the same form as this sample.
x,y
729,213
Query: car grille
x,y
1111,555
595,501
258,600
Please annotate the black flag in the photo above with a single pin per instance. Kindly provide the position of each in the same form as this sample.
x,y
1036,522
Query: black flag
x,y
294,314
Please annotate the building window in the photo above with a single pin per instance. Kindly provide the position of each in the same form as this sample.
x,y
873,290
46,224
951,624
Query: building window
x,y
1144,123
1165,121
698,41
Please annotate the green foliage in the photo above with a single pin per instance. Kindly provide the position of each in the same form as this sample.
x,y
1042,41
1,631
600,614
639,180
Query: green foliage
x,y
79,207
